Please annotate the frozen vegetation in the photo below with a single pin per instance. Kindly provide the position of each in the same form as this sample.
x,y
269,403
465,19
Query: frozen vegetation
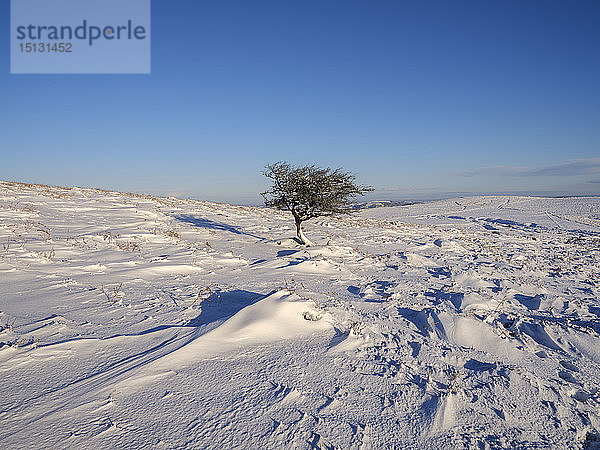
x,y
132,321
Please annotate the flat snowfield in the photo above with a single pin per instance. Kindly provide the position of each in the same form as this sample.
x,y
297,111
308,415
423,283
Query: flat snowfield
x,y
130,321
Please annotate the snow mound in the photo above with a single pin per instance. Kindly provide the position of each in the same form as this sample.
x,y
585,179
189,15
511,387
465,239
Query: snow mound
x,y
279,316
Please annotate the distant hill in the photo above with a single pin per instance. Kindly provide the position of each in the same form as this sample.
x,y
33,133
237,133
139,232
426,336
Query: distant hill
x,y
382,203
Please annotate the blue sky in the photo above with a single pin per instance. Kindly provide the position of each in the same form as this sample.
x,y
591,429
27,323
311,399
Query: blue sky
x,y
420,99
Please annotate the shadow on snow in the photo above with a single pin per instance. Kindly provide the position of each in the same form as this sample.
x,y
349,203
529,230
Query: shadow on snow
x,y
212,225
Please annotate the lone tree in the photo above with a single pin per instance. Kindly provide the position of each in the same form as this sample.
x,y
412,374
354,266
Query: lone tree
x,y
310,191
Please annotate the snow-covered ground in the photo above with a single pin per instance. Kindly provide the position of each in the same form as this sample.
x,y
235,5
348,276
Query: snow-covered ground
x,y
134,321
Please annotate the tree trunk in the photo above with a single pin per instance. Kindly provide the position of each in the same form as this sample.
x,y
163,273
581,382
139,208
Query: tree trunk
x,y
300,234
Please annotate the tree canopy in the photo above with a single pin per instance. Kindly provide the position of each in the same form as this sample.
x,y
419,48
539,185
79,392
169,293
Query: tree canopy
x,y
311,191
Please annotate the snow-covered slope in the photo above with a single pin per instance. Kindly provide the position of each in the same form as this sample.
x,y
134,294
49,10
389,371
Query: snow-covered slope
x,y
132,321
576,213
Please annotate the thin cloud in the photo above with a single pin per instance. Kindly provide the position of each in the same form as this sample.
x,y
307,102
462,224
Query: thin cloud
x,y
572,167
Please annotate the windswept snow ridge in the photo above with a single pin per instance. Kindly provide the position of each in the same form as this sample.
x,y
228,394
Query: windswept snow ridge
x,y
134,321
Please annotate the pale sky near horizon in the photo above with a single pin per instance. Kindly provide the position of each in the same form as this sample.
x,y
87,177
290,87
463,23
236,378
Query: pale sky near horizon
x,y
420,99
